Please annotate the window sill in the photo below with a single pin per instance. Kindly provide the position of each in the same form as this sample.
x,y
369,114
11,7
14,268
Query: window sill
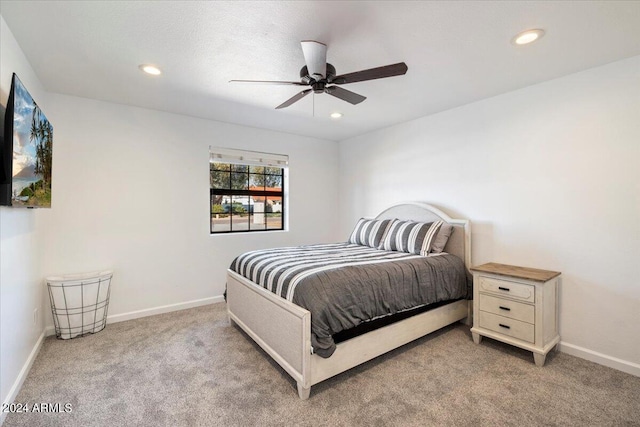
x,y
245,233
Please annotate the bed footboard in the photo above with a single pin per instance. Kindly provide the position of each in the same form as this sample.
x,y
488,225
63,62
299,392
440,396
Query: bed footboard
x,y
286,337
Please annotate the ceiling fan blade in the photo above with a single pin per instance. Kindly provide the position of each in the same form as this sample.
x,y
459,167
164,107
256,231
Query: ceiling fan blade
x,y
268,82
315,56
371,74
345,95
295,98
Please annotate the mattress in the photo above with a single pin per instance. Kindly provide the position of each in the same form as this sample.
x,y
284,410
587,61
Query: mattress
x,y
344,285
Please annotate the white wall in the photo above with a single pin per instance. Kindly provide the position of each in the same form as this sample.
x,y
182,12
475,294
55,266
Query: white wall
x,y
549,176
131,192
21,238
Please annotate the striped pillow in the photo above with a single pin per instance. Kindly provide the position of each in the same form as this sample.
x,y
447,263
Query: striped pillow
x,y
369,232
409,236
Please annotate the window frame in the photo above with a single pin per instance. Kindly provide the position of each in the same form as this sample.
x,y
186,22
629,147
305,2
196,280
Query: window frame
x,y
247,193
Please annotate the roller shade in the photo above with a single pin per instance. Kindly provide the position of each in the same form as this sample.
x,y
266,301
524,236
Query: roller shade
x,y
244,157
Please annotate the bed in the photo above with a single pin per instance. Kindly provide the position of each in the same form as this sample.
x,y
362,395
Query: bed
x,y
284,329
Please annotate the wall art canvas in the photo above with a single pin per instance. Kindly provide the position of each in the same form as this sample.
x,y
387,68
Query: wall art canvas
x,y
32,152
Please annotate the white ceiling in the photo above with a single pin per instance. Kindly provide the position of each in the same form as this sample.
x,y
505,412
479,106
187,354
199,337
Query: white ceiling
x,y
457,53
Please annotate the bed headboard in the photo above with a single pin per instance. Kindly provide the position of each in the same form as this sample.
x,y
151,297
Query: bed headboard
x,y
459,243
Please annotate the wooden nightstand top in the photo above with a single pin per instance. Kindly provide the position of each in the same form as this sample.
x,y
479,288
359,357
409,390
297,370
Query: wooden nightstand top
x,y
517,272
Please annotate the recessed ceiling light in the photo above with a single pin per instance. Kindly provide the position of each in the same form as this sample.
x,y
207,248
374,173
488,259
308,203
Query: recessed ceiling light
x,y
150,69
336,115
528,36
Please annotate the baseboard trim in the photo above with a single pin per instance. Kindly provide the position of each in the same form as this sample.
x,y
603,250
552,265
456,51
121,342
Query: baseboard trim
x,y
115,318
601,359
17,385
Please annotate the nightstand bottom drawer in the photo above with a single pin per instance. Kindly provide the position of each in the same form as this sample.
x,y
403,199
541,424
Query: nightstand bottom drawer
x,y
505,326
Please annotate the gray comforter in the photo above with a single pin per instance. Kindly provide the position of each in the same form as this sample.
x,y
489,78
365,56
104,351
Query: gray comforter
x,y
344,285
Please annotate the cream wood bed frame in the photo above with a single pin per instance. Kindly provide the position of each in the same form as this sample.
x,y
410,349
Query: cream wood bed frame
x,y
283,329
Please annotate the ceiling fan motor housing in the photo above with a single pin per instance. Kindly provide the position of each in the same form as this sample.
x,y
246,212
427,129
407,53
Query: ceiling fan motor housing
x,y
318,87
307,79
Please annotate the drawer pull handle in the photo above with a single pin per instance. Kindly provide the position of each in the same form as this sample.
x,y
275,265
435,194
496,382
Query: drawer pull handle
x,y
503,289
505,308
504,326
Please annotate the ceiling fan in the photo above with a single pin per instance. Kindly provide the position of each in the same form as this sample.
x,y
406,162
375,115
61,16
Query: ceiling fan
x,y
321,76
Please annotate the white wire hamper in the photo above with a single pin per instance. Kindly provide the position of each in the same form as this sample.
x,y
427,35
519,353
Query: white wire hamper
x,y
79,303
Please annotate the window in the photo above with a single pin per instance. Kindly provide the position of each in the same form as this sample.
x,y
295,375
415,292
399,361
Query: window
x,y
246,191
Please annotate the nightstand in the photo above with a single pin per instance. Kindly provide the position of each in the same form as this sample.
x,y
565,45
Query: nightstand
x,y
516,305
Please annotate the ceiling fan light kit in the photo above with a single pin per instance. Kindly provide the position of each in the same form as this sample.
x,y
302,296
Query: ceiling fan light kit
x,y
321,76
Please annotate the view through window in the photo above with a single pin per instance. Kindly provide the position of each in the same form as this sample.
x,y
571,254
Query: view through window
x,y
246,197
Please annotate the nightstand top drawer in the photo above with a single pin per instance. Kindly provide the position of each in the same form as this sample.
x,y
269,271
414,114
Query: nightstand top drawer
x,y
507,288
507,308
525,273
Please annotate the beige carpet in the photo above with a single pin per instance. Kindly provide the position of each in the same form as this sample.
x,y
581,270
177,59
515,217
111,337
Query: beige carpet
x,y
190,368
